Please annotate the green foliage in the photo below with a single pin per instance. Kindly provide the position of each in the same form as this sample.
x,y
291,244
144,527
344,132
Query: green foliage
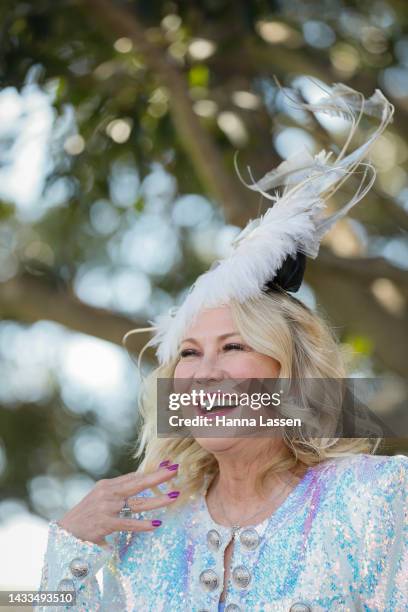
x,y
362,345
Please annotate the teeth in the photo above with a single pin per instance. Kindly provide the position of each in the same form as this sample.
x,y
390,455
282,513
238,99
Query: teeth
x,y
223,404
218,407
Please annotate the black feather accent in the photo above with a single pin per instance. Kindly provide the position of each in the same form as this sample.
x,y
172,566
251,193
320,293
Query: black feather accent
x,y
289,277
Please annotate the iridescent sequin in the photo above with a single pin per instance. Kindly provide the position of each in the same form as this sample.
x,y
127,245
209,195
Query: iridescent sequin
x,y
338,543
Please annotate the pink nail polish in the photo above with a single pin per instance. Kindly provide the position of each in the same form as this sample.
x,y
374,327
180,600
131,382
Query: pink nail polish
x,y
164,463
156,523
173,494
173,467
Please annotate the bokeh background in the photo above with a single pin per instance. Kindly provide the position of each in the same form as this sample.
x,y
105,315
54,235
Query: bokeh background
x,y
118,126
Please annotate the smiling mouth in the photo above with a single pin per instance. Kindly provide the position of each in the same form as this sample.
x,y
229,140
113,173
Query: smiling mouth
x,y
227,406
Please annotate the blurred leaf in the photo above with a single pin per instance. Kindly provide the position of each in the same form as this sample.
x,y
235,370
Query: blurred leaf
x,y
139,204
199,76
361,344
6,210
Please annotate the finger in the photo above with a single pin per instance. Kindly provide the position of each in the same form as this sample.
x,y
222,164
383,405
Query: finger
x,y
144,481
142,504
121,524
130,476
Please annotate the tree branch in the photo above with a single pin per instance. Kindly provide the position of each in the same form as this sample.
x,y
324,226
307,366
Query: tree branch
x,y
347,297
362,268
29,299
195,140
345,294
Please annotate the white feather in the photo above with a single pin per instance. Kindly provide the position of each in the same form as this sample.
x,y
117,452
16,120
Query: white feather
x,y
293,223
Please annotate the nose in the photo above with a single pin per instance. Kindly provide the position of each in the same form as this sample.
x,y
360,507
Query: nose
x,y
208,370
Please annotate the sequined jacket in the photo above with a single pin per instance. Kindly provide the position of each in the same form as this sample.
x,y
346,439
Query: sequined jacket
x,y
339,542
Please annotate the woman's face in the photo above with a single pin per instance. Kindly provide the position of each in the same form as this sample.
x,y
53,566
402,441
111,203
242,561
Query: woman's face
x,y
212,351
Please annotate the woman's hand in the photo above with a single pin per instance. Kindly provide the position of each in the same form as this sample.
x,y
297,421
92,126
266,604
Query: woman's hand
x,y
97,514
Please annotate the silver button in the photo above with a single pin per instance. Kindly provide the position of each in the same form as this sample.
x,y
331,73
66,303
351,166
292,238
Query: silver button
x,y
213,540
66,585
232,608
300,606
249,538
241,576
209,580
79,567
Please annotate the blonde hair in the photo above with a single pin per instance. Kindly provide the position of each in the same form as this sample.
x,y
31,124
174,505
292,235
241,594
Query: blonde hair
x,y
280,326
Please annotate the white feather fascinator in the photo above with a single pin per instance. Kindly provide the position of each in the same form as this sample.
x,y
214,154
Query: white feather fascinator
x,y
294,224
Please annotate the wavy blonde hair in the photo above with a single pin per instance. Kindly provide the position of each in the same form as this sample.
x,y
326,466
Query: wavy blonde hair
x,y
280,326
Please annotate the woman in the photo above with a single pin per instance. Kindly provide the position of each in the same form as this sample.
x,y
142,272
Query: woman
x,y
245,523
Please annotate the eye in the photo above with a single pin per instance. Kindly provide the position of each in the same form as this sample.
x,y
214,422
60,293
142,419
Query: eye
x,y
188,352
234,346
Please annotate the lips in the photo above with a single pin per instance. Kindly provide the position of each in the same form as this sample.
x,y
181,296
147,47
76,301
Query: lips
x,y
226,402
217,410
209,408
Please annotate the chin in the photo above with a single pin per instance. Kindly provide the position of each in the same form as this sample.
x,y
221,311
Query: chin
x,y
218,445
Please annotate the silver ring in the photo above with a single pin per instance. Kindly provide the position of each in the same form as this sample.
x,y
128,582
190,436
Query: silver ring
x,y
125,511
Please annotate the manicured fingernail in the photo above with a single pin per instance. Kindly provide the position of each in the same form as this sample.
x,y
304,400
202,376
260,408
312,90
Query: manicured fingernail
x,y
164,463
173,494
156,523
173,467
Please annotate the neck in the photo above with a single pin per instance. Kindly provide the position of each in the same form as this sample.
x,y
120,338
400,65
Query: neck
x,y
238,471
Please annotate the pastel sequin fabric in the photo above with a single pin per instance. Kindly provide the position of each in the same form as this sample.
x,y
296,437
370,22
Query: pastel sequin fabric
x,y
339,542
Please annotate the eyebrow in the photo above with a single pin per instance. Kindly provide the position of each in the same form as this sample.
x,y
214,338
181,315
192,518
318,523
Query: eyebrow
x,y
222,337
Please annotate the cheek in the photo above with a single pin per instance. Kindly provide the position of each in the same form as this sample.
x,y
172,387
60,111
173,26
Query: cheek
x,y
183,369
253,365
